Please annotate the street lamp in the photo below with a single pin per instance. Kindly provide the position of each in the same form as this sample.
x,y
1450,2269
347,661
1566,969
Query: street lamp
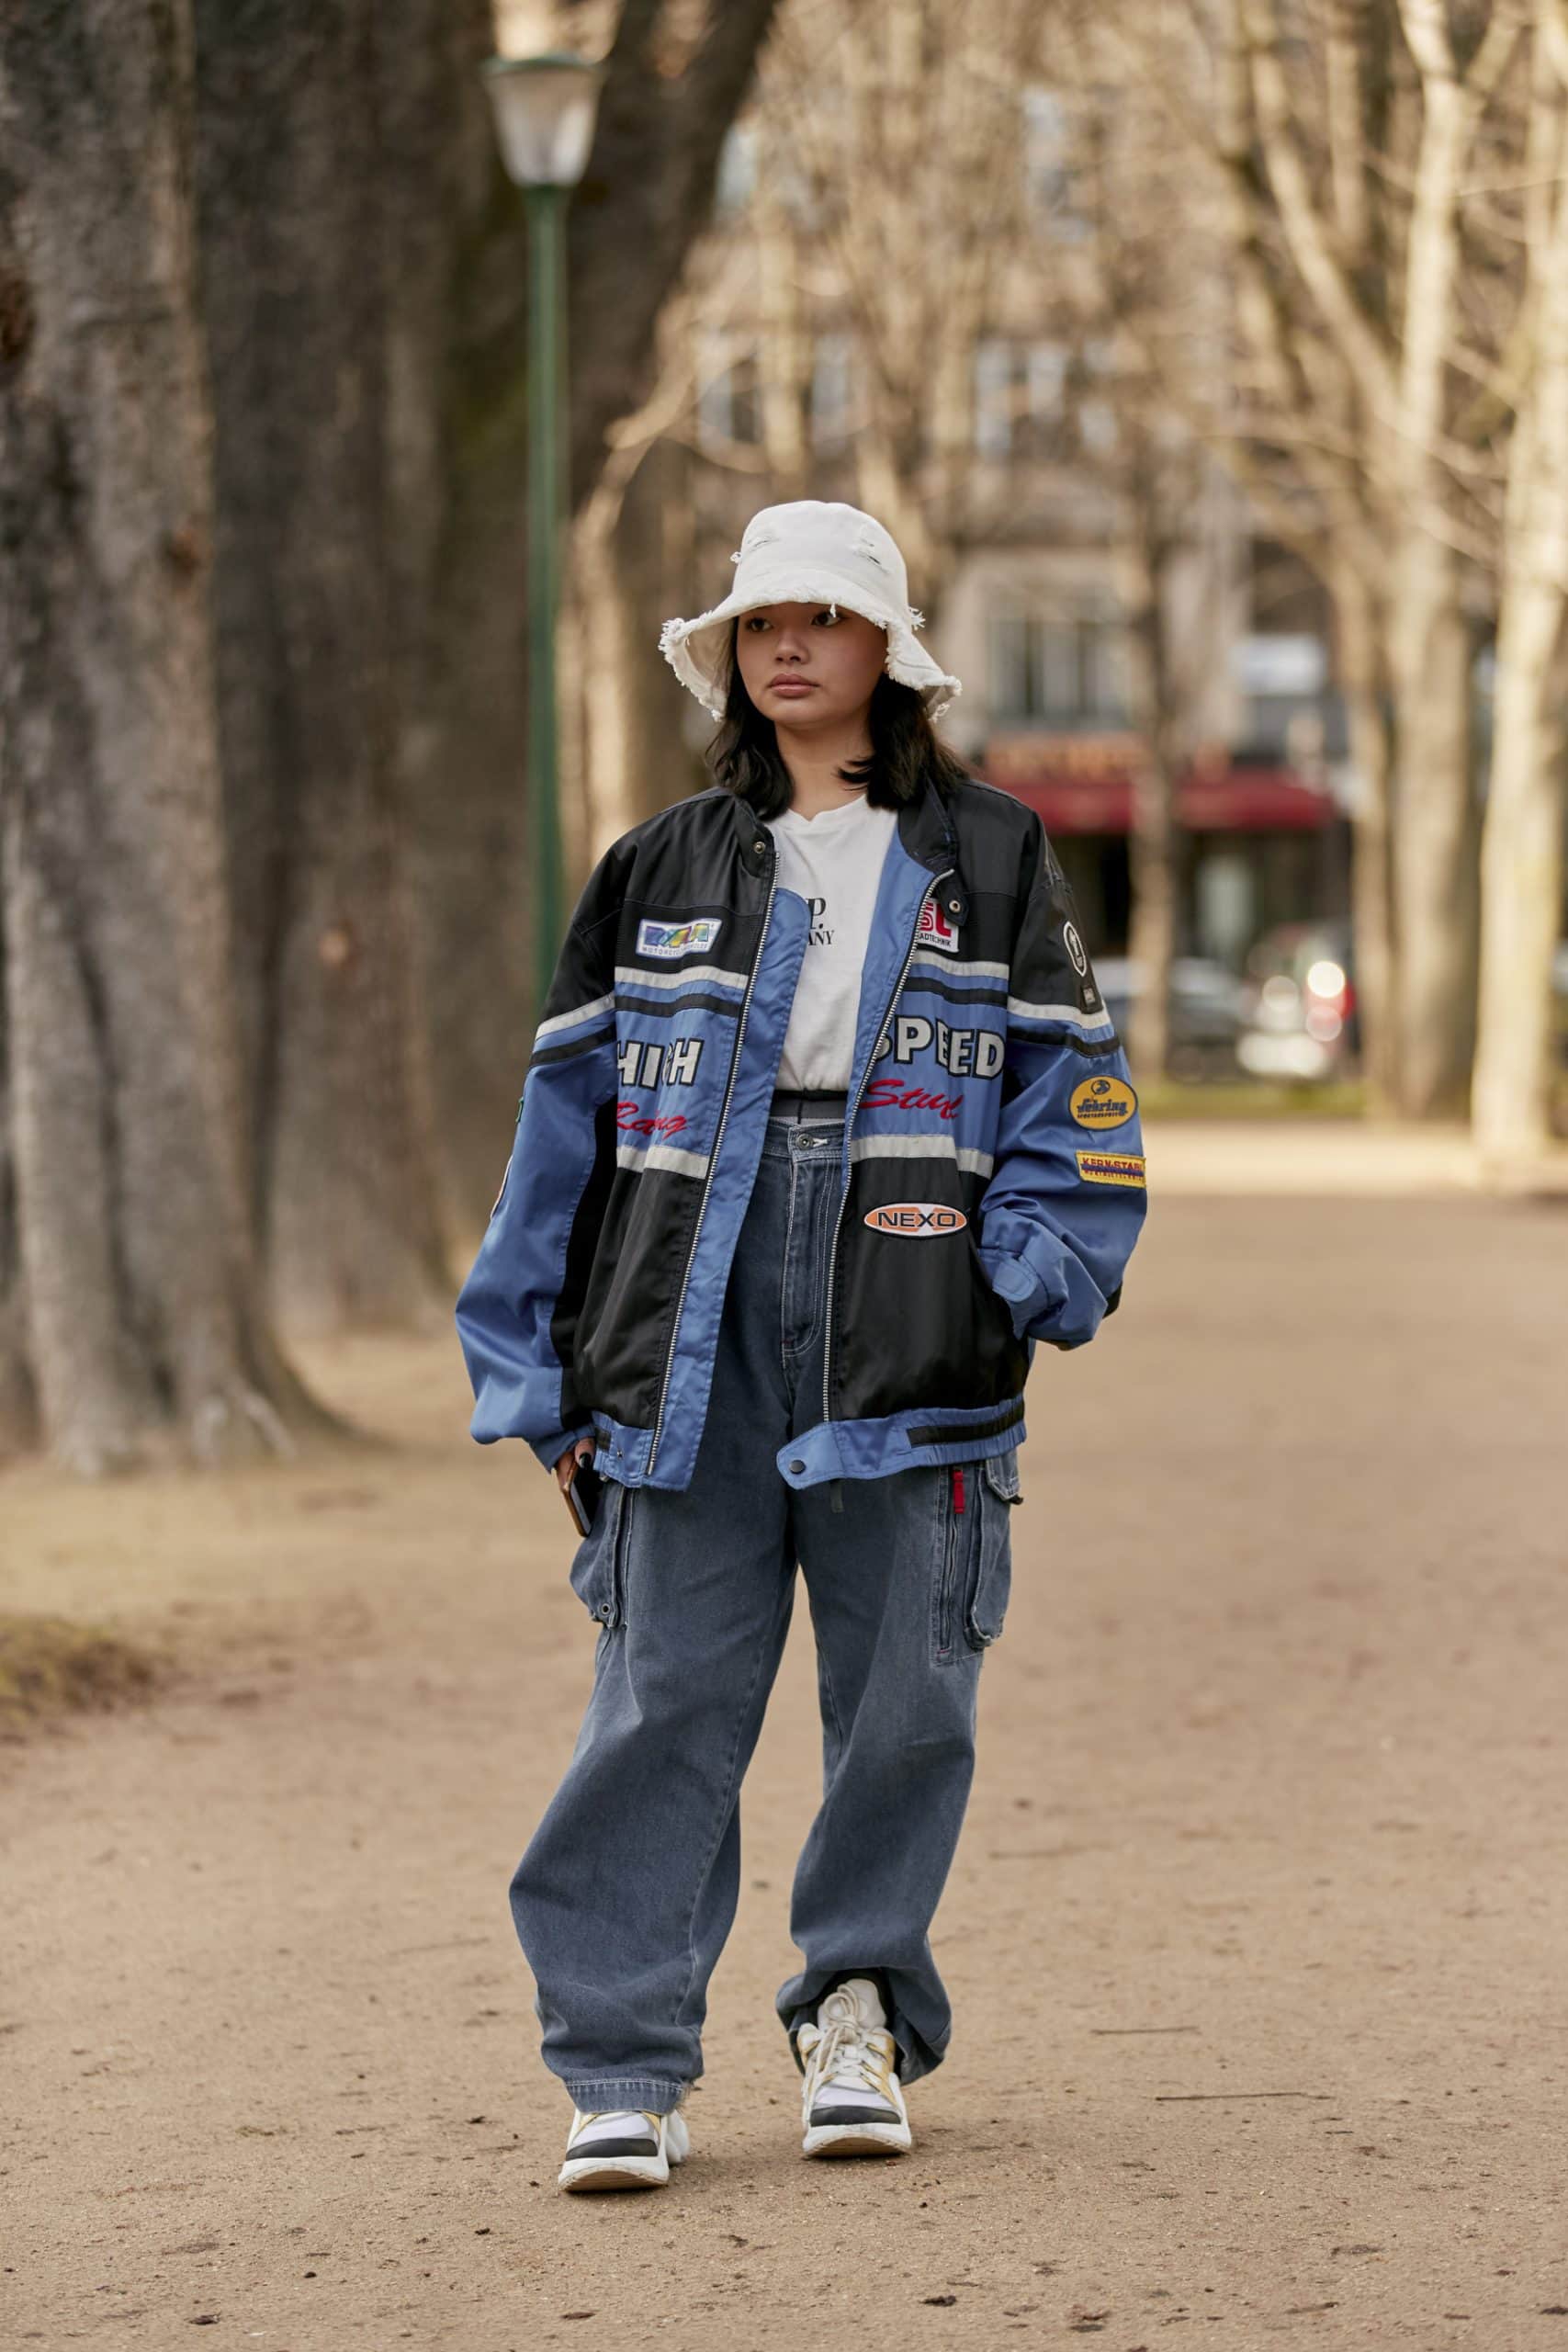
x,y
544,109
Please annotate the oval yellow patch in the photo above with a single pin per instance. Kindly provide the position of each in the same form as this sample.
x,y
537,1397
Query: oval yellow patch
x,y
1102,1103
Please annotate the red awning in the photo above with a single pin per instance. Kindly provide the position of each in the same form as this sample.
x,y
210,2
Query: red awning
x,y
1083,784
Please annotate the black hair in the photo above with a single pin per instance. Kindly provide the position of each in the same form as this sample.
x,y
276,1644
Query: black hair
x,y
905,747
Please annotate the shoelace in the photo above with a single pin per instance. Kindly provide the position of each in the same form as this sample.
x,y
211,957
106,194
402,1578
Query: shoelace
x,y
845,2055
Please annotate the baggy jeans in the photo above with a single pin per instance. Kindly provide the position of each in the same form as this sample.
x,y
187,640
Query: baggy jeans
x,y
627,1890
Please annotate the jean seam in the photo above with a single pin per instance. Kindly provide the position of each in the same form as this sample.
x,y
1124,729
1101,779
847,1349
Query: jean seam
x,y
785,1349
714,1843
827,1675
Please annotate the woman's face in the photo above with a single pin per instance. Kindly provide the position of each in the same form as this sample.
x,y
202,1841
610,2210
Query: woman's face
x,y
803,666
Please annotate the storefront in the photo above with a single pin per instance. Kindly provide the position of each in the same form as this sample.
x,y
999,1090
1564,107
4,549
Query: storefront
x,y
1258,842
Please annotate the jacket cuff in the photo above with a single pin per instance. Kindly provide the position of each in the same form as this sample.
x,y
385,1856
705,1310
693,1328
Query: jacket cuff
x,y
550,1448
1066,1308
1027,1298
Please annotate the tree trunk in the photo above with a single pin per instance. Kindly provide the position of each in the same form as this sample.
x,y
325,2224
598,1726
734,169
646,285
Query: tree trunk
x,y
132,1214
1521,872
1434,880
1363,678
301,290
1152,939
18,1403
1435,870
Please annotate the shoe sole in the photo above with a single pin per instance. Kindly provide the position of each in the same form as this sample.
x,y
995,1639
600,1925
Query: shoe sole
x,y
858,2140
614,2172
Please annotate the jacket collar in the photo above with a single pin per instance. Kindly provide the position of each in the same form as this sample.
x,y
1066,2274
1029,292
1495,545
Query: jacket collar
x,y
925,831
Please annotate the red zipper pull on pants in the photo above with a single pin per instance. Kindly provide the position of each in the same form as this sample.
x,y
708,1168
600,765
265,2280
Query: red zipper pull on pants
x,y
958,1487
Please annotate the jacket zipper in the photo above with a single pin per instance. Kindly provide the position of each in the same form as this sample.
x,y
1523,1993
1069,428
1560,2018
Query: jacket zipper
x,y
712,1161
848,1122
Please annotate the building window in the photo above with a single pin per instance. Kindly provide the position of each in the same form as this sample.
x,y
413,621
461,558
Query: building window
x,y
832,387
1050,178
993,398
735,180
1020,405
729,401
1066,672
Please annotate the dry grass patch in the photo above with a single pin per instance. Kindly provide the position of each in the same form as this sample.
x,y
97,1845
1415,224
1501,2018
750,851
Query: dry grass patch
x,y
54,1665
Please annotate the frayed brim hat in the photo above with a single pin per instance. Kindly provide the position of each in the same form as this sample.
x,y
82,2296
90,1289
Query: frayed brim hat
x,y
813,552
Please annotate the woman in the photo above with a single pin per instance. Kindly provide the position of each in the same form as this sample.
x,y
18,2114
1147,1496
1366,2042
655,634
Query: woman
x,y
824,1129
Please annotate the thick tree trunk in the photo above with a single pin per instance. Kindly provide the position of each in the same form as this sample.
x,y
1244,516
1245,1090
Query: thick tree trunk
x,y
1522,850
301,282
1434,880
471,837
1521,880
132,1209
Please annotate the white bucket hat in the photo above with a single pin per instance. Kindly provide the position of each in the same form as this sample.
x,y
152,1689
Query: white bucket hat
x,y
813,552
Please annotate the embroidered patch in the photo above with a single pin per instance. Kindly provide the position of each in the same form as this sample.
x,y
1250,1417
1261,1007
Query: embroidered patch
x,y
671,939
915,1220
1102,1103
1076,949
1113,1168
935,929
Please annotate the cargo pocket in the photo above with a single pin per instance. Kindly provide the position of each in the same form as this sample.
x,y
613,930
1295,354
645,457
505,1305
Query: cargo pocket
x,y
986,1603
598,1572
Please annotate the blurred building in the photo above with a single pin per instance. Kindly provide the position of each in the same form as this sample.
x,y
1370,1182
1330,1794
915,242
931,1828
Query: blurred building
x,y
1029,605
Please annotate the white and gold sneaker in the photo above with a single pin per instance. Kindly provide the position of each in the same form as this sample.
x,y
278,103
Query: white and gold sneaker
x,y
852,2103
622,2148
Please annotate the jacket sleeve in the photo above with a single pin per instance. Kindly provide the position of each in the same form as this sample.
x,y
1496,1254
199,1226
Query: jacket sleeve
x,y
517,1311
1065,1199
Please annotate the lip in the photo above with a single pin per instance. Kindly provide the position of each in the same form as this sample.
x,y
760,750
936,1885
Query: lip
x,y
792,686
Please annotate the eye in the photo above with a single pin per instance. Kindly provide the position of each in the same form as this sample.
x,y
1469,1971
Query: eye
x,y
827,615
755,621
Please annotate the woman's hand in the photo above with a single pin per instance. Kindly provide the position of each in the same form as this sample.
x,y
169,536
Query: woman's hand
x,y
570,1460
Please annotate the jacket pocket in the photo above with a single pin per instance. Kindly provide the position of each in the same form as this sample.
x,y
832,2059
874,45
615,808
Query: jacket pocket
x,y
598,1572
986,1603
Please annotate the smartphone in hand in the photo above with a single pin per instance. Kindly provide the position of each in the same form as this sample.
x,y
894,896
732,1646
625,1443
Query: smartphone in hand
x,y
583,1493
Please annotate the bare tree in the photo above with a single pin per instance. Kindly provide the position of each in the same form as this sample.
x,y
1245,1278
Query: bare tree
x,y
1370,305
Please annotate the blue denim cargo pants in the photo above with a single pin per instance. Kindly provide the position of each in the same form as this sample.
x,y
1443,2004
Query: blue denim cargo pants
x,y
627,1890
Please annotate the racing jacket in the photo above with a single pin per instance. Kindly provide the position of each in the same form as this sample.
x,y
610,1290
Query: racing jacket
x,y
992,1180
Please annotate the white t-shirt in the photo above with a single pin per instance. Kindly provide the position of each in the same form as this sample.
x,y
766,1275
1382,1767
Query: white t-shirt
x,y
835,861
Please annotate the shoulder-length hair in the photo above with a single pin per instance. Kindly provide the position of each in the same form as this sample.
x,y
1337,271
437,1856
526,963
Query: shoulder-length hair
x,y
744,755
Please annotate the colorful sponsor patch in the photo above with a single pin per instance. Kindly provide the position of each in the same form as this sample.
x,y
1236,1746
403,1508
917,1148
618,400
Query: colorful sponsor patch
x,y
935,929
1112,1167
915,1220
1102,1103
671,939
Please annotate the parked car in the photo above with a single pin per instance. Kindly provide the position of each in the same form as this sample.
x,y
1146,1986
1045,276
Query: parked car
x,y
1300,1004
1206,1010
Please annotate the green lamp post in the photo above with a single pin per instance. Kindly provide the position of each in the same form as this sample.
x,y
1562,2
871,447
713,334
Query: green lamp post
x,y
544,109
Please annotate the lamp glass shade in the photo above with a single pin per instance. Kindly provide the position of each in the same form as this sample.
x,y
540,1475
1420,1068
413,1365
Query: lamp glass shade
x,y
544,110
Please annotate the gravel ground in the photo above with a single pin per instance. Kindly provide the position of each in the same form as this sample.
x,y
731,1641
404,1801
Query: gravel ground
x,y
1256,1937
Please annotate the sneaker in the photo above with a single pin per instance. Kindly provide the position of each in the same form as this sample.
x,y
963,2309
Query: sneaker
x,y
852,2103
622,2148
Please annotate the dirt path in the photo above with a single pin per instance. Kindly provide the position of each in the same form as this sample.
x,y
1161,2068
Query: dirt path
x,y
1256,1937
